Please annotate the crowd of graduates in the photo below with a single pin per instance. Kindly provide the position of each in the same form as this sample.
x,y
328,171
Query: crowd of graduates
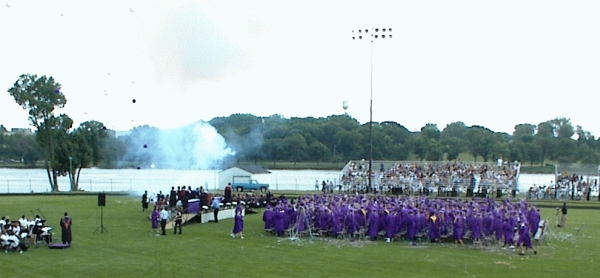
x,y
411,219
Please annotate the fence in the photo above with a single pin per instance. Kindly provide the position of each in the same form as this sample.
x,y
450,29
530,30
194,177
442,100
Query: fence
x,y
96,185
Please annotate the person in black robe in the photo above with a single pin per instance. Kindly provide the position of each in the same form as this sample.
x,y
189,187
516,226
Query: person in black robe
x,y
172,197
65,224
228,193
145,201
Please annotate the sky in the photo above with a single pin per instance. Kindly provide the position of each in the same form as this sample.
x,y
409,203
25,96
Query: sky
x,y
490,63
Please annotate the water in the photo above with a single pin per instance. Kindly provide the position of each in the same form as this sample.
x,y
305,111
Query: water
x,y
155,180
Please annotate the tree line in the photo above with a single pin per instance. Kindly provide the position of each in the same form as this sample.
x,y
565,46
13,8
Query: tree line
x,y
65,150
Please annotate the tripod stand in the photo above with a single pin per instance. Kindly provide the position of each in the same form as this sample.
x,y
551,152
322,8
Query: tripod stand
x,y
101,228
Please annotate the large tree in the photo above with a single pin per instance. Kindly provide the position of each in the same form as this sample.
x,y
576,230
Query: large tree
x,y
41,96
86,149
481,142
544,138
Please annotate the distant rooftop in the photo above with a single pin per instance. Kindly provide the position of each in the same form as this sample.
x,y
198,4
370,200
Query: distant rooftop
x,y
254,169
16,130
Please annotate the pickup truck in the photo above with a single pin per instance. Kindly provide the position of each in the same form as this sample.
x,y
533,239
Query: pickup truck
x,y
249,186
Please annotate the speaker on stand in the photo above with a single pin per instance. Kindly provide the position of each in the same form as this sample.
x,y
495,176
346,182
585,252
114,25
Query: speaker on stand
x,y
101,204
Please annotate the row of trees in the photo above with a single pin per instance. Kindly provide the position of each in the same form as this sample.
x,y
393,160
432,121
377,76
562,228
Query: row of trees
x,y
341,137
66,151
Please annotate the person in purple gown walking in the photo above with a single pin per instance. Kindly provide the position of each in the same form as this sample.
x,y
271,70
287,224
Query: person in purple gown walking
x,y
238,225
268,218
524,240
155,216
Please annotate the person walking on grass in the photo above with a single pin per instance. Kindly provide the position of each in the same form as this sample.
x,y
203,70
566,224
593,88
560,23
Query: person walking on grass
x,y
216,205
164,216
563,218
524,240
238,225
155,217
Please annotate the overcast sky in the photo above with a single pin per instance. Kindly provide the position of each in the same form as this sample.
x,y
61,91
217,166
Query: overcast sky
x,y
489,63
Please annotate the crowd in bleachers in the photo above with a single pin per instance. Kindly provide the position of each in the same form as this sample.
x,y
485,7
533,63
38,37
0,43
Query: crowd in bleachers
x,y
18,235
567,186
415,178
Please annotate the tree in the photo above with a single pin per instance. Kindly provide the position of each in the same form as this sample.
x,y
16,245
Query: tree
x,y
420,146
430,131
455,130
524,133
562,127
114,151
296,146
480,141
41,96
348,144
453,146
23,148
85,150
544,138
435,151
318,151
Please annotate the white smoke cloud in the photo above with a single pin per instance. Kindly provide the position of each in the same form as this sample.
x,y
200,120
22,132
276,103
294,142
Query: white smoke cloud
x,y
194,146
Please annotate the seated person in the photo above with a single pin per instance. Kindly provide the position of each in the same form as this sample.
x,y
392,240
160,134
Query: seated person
x,y
15,243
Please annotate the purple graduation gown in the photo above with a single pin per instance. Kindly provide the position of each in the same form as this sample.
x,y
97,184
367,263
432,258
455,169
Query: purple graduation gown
x,y
155,215
238,224
268,218
524,237
373,228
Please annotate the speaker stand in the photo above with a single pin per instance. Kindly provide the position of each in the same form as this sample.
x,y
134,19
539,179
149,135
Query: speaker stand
x,y
101,228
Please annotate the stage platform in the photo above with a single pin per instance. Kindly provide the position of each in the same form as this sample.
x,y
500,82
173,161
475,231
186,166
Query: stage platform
x,y
204,216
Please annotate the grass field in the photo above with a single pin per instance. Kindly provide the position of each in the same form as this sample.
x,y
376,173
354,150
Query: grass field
x,y
206,250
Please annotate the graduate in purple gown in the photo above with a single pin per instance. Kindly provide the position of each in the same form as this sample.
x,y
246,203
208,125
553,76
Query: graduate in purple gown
x,y
301,223
336,223
154,218
350,222
433,232
268,216
238,225
476,225
508,233
488,222
238,208
279,222
391,226
458,228
534,220
497,227
411,227
324,219
525,239
373,222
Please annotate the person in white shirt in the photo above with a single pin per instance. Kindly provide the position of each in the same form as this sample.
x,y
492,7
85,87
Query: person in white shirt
x,y
23,221
164,216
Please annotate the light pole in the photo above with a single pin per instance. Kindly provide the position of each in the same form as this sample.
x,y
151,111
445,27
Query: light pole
x,y
71,171
376,33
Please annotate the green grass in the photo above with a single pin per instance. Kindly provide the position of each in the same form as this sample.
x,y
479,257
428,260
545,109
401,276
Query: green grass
x,y
206,250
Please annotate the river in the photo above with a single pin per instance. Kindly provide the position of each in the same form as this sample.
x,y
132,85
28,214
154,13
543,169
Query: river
x,y
155,180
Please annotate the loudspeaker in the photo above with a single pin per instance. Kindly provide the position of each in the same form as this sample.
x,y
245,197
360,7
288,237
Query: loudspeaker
x,y
101,199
